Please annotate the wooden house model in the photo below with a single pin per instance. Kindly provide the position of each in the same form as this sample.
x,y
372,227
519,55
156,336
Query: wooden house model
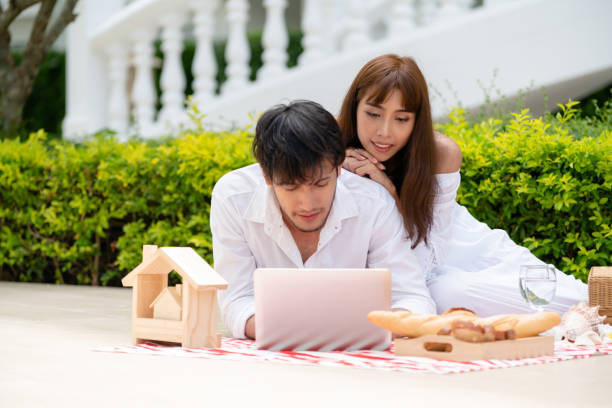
x,y
187,314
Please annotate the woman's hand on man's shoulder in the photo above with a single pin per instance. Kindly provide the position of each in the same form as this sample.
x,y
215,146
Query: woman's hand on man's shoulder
x,y
448,154
362,163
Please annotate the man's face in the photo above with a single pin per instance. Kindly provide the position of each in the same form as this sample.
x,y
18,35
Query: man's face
x,y
306,205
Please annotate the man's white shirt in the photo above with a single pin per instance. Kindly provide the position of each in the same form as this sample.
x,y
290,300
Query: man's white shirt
x,y
363,229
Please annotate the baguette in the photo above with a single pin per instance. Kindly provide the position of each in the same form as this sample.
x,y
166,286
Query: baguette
x,y
414,325
465,325
535,323
402,323
523,325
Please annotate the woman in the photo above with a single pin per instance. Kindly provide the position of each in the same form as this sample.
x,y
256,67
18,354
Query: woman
x,y
386,122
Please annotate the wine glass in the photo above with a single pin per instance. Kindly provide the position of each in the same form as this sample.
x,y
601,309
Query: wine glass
x,y
538,284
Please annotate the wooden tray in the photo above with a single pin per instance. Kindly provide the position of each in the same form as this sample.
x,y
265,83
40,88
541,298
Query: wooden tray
x,y
450,348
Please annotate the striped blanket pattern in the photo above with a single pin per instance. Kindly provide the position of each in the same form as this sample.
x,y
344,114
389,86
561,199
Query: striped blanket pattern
x,y
237,349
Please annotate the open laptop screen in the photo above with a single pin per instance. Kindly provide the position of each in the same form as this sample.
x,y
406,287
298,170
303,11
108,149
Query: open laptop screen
x,y
320,309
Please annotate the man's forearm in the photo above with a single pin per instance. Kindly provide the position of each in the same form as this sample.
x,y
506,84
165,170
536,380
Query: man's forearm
x,y
249,328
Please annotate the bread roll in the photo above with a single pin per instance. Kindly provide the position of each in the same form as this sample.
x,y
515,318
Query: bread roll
x,y
458,311
435,326
474,333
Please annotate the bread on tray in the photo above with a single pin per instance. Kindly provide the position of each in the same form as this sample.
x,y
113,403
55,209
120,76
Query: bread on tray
x,y
465,324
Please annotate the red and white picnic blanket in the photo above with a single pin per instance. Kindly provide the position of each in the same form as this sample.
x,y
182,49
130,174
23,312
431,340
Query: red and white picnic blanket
x,y
236,349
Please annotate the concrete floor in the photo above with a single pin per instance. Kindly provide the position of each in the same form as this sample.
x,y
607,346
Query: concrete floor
x,y
46,332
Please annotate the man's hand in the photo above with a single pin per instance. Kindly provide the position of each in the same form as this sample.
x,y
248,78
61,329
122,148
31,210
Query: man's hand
x,y
249,328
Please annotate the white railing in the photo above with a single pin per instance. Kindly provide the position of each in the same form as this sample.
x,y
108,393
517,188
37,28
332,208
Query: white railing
x,y
124,45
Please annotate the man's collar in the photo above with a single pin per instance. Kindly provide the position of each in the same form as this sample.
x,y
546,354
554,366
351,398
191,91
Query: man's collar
x,y
344,205
262,199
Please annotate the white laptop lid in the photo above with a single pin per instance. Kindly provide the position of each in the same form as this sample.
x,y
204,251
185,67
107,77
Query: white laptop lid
x,y
320,309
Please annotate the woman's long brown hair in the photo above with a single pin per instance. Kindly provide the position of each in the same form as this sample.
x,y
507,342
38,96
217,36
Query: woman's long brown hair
x,y
412,169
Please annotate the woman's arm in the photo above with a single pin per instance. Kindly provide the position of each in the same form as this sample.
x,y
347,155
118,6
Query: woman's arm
x,y
362,163
448,154
449,159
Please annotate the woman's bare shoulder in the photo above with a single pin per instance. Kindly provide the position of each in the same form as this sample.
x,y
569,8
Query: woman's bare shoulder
x,y
448,154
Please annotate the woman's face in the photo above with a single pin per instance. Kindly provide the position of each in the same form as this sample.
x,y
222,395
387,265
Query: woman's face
x,y
384,129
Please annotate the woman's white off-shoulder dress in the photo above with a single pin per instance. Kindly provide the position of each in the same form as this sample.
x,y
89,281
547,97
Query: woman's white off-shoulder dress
x,y
471,265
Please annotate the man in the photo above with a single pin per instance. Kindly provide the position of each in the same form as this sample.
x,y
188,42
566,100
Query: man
x,y
296,209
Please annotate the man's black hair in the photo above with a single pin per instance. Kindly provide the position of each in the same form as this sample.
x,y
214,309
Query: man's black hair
x,y
293,141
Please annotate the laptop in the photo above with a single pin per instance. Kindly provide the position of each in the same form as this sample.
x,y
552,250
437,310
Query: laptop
x,y
320,309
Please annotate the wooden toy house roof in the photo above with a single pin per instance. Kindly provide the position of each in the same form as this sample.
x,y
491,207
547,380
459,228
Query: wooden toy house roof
x,y
185,261
172,292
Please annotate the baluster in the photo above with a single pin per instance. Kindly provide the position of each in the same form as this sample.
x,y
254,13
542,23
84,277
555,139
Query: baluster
x,y
237,52
172,79
204,63
143,94
356,26
118,106
274,39
402,17
312,26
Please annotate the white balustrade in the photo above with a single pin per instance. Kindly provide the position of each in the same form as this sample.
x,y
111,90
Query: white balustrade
x,y
327,25
237,52
402,18
143,93
312,27
204,66
172,79
274,40
118,105
356,26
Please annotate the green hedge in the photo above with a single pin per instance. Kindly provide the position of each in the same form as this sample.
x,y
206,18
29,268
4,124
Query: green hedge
x,y
544,181
81,213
